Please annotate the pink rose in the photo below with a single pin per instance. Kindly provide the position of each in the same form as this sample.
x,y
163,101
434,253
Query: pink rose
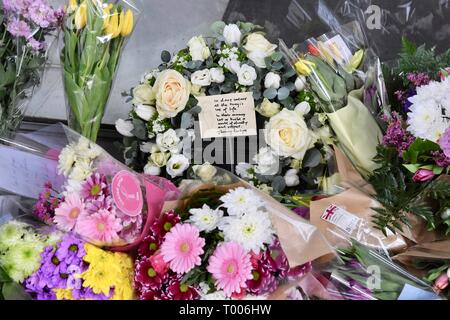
x,y
423,175
442,282
158,263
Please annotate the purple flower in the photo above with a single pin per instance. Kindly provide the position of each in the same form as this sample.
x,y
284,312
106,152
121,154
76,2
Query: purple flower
x,y
396,135
70,250
101,202
132,226
42,14
423,175
441,159
36,45
418,79
277,260
95,186
263,282
444,142
16,6
18,28
302,212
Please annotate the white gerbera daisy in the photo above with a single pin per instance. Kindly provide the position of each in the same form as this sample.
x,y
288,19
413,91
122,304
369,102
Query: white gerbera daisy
x,y
429,114
240,201
252,230
205,219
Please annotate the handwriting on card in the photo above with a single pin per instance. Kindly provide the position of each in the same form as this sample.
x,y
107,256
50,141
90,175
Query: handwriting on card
x,y
227,115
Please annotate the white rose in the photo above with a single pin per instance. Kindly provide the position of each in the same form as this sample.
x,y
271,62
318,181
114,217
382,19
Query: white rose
x,y
232,34
291,178
267,163
146,147
233,65
143,94
152,170
168,141
268,109
206,171
145,112
288,134
303,108
217,75
246,75
272,80
177,165
201,78
300,83
259,48
159,159
172,93
124,127
198,49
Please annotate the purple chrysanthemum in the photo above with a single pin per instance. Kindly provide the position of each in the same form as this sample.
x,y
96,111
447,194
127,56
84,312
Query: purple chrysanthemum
x,y
95,187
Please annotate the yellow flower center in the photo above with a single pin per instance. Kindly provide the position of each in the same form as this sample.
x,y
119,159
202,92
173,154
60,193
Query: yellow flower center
x,y
73,214
101,226
184,247
286,135
230,268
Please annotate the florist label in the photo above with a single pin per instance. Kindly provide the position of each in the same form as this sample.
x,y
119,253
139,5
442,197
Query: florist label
x,y
227,115
127,193
341,218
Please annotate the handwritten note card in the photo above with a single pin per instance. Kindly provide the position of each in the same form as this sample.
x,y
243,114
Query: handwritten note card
x,y
227,115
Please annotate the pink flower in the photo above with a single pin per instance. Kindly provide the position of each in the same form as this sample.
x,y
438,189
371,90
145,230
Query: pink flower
x,y
442,282
423,175
158,263
182,248
95,186
231,267
66,215
101,226
444,142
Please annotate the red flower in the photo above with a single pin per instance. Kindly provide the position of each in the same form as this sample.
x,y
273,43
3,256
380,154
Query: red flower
x,y
312,49
179,291
239,296
146,276
149,246
165,223
148,294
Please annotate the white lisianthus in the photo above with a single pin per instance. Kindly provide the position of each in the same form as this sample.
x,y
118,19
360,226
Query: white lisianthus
x,y
300,83
268,109
145,112
252,230
303,108
124,127
169,141
272,80
258,48
146,147
232,34
245,170
246,75
205,219
291,178
201,78
143,94
217,75
288,135
198,49
152,170
240,201
267,163
233,65
206,171
177,165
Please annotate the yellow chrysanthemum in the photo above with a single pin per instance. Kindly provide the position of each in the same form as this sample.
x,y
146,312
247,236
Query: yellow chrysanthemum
x,y
97,257
99,279
63,294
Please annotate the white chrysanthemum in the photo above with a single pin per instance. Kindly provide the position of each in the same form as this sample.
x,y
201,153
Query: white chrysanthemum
x,y
67,159
240,201
25,257
81,171
253,230
73,186
205,219
245,170
429,114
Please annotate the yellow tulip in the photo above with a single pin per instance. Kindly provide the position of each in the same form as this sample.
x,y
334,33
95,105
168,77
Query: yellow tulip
x,y
126,23
81,16
106,16
113,27
73,5
304,67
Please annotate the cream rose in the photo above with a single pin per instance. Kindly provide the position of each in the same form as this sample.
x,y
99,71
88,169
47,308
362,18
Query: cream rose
x,y
206,171
172,93
198,49
288,135
268,109
143,94
159,159
259,48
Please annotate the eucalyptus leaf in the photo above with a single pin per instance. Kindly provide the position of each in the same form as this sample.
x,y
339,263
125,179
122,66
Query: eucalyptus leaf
x,y
256,95
283,93
277,66
195,110
217,27
140,130
165,56
277,56
278,184
270,93
187,120
312,158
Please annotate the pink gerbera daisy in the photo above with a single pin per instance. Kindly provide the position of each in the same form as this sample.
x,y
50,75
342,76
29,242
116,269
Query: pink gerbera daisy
x,y
231,267
66,215
102,226
182,248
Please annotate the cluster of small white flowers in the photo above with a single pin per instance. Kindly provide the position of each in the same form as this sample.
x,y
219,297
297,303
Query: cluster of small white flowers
x,y
245,170
158,126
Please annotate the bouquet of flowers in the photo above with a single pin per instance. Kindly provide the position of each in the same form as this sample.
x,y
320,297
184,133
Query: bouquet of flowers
x,y
221,242
89,192
415,152
95,33
159,133
26,28
344,74
50,265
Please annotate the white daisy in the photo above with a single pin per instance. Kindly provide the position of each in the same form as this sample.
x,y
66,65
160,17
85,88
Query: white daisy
x,y
252,230
205,219
67,159
240,201
245,170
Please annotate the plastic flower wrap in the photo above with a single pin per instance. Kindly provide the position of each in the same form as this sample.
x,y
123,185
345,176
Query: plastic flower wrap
x,y
86,190
26,30
343,73
225,240
95,34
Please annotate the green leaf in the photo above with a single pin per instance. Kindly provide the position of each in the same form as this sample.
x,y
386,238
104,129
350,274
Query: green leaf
x,y
217,27
408,46
4,276
165,56
277,56
418,148
412,167
140,130
14,291
312,158
270,93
